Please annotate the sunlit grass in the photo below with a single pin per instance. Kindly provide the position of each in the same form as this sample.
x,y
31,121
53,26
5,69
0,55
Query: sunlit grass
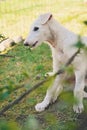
x,y
16,17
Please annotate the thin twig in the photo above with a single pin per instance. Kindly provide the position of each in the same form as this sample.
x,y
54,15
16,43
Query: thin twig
x,y
70,60
21,97
4,55
16,101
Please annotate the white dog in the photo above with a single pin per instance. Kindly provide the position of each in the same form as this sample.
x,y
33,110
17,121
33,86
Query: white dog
x,y
61,41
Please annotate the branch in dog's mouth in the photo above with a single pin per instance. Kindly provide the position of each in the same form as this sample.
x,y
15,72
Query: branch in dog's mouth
x,y
34,44
31,47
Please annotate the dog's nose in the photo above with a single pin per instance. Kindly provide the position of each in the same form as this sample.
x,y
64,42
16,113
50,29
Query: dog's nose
x,y
26,44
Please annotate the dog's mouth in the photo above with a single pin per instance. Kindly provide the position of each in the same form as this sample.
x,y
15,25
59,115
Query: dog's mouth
x,y
34,44
31,46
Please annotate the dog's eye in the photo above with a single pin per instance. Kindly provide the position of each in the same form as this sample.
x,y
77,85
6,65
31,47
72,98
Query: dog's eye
x,y
36,28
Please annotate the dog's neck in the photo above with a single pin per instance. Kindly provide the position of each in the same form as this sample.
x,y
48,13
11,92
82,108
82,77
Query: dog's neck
x,y
59,36
52,37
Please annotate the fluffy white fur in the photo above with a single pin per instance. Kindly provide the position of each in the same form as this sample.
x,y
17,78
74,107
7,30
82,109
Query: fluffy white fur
x,y
85,1
61,41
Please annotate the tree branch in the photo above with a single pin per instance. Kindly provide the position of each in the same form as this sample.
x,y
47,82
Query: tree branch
x,y
4,55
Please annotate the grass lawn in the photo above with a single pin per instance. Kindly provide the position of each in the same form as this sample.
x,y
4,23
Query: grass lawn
x,y
29,67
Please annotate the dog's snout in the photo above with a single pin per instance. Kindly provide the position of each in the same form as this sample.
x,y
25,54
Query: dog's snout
x,y
26,43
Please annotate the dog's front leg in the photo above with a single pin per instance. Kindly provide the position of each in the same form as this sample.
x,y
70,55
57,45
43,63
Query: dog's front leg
x,y
56,64
51,95
79,91
55,68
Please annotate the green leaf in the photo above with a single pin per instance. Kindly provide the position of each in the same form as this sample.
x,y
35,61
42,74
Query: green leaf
x,y
79,44
31,123
85,22
10,125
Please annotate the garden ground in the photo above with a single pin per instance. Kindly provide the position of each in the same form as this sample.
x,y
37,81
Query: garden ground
x,y
28,67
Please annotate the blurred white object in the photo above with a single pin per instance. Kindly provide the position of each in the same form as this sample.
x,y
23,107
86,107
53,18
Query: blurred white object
x,y
85,1
6,44
18,39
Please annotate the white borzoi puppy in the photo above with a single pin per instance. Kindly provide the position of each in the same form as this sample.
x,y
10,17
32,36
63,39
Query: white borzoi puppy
x,y
61,41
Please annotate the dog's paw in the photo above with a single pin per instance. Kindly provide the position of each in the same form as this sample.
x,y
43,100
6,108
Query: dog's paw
x,y
78,108
40,107
49,74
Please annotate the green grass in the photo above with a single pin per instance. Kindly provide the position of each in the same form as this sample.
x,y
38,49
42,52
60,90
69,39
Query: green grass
x,y
24,64
29,67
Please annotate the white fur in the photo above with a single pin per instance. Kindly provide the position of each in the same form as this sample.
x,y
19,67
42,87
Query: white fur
x,y
85,1
61,42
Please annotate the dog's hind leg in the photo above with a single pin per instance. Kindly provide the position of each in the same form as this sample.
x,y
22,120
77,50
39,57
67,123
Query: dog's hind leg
x,y
85,94
57,93
79,91
51,95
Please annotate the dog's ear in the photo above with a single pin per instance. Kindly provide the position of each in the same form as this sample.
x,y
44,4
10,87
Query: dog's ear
x,y
45,18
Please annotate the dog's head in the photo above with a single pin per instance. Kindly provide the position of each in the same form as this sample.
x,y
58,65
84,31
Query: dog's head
x,y
39,31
